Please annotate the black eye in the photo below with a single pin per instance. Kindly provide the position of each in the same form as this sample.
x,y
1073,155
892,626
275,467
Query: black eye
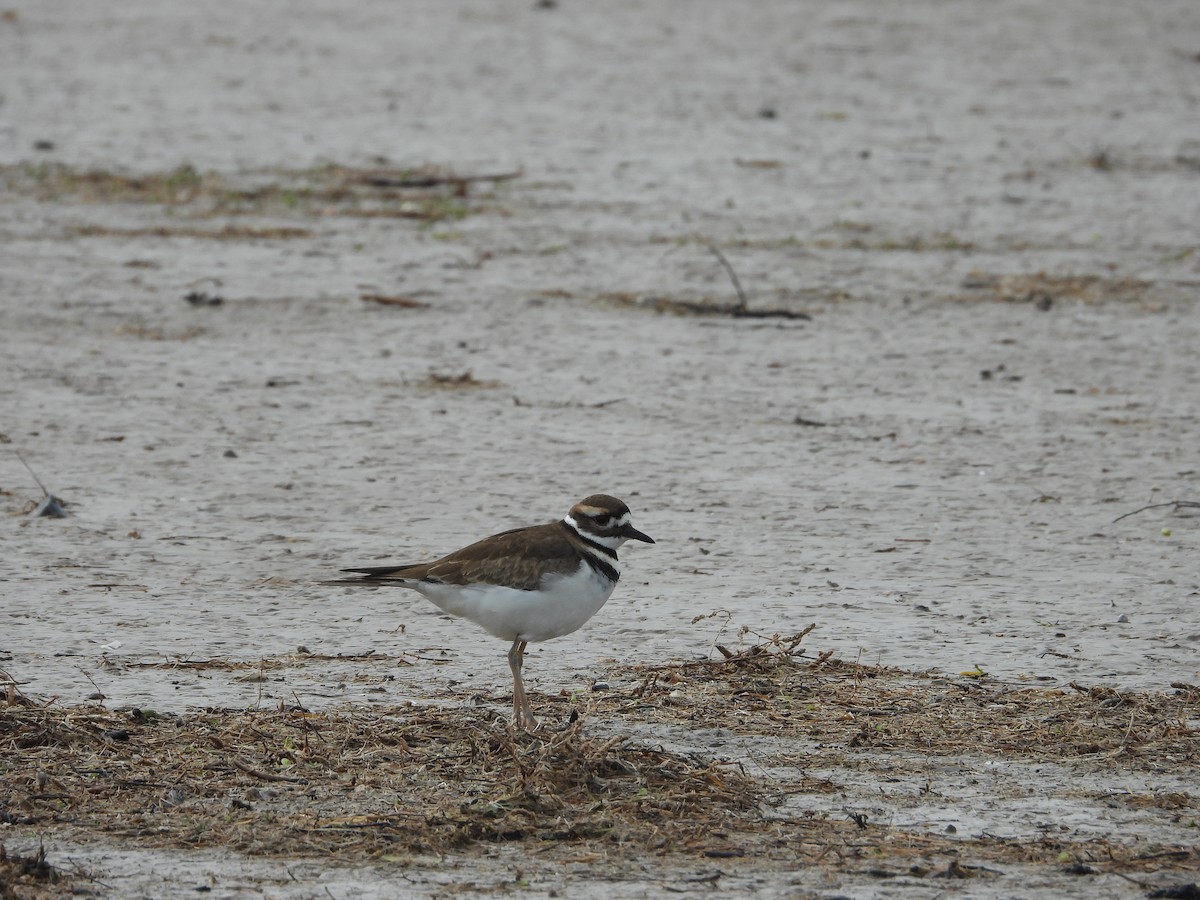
x,y
603,521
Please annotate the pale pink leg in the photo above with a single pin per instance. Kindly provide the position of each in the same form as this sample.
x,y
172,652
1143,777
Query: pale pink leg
x,y
522,714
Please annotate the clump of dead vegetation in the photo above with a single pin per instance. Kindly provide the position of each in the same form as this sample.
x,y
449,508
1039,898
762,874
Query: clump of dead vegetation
x,y
394,783
410,779
428,193
772,687
706,306
456,381
21,874
1043,290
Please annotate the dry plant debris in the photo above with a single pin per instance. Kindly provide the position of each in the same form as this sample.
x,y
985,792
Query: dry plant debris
x,y
429,193
704,307
460,381
771,688
21,875
226,233
1043,290
394,300
409,780
150,333
400,782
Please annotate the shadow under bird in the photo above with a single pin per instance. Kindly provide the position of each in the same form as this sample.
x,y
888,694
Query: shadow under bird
x,y
527,584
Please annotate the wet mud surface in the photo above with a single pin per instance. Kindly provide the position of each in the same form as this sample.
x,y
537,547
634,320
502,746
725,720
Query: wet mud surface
x,y
881,319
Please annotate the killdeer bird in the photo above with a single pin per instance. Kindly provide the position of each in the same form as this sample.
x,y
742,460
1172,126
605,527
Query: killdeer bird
x,y
528,584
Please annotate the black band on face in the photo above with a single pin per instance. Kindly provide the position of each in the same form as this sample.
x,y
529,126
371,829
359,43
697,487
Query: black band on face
x,y
596,545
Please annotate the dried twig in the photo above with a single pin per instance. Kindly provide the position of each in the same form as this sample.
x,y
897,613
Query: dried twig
x,y
743,305
12,693
393,300
50,506
258,773
1178,504
741,310
21,457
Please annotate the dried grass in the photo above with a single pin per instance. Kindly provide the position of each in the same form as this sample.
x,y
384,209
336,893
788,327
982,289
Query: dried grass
x,y
412,780
771,688
429,194
456,381
21,875
1042,289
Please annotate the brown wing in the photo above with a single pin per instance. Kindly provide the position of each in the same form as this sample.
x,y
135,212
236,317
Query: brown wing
x,y
518,558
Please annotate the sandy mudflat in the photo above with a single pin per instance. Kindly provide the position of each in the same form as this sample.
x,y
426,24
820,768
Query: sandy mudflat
x,y
976,223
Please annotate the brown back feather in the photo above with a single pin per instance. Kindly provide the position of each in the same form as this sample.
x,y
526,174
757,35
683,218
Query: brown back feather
x,y
496,558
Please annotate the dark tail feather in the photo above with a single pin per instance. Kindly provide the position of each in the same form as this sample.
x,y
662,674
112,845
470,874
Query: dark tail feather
x,y
369,575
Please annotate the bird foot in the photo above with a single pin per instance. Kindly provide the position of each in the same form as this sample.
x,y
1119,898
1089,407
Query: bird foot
x,y
526,722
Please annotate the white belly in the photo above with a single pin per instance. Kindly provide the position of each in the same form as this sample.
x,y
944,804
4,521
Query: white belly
x,y
561,607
